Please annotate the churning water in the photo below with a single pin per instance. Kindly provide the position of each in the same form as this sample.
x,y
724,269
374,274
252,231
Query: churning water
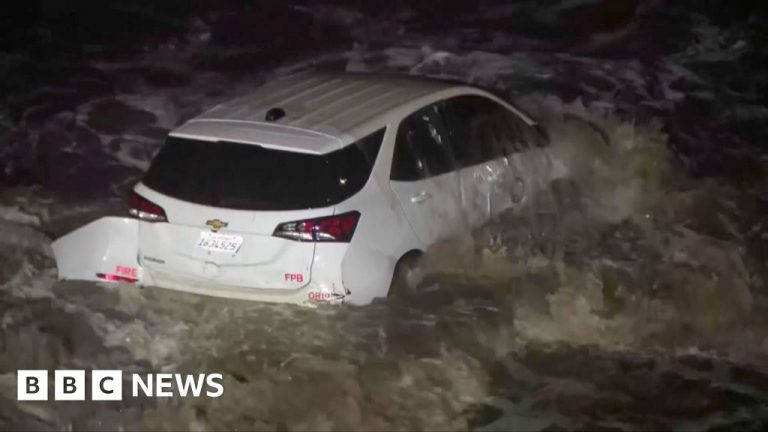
x,y
627,294
618,297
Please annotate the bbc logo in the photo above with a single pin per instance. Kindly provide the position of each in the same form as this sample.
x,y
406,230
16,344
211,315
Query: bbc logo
x,y
107,385
69,385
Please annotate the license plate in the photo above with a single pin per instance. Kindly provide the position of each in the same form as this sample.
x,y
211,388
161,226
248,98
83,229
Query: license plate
x,y
220,242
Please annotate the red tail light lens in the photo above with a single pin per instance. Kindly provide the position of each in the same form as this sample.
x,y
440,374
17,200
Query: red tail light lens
x,y
144,209
338,228
115,278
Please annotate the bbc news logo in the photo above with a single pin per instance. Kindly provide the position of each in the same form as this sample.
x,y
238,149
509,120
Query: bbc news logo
x,y
107,385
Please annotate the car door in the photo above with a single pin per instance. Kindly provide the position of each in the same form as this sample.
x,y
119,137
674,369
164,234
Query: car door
x,y
511,167
423,176
461,116
525,159
499,162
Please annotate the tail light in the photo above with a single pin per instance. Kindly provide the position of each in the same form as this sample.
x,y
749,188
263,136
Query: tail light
x,y
144,209
115,278
338,228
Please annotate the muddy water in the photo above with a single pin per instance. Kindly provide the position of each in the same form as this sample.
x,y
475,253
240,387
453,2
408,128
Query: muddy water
x,y
617,297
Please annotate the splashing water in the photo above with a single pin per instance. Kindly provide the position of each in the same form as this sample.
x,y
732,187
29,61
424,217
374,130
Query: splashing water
x,y
616,258
608,269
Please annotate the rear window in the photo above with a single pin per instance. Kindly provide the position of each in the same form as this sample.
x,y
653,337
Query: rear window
x,y
250,177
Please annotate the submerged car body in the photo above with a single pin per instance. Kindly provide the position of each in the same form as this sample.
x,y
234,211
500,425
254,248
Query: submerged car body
x,y
313,189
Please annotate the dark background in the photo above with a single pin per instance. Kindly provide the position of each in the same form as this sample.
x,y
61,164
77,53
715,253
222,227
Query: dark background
x,y
42,38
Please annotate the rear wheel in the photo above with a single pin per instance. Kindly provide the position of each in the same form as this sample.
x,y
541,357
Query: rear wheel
x,y
406,276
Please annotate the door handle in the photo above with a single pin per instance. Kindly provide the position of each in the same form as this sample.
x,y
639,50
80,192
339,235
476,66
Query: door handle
x,y
421,197
518,192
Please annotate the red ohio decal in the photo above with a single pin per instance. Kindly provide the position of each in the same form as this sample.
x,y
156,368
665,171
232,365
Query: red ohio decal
x,y
294,277
319,296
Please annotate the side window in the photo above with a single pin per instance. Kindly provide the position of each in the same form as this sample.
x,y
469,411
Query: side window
x,y
482,129
351,166
421,147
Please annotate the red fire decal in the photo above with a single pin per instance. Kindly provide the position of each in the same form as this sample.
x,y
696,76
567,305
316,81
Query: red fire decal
x,y
125,271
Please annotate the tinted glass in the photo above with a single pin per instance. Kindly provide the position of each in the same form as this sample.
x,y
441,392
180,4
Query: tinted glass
x,y
251,177
421,149
481,129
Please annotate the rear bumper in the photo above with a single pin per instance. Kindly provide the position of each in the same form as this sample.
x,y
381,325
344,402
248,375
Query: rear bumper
x,y
312,294
107,250
325,285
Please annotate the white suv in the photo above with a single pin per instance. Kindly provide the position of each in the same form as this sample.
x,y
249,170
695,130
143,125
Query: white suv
x,y
317,188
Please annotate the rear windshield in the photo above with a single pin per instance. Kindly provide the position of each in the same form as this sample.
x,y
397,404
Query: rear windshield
x,y
250,177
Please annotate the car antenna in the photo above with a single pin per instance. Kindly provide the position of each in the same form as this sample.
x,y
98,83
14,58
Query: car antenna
x,y
274,114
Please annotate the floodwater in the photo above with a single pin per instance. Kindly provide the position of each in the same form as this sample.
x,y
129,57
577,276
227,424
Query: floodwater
x,y
628,295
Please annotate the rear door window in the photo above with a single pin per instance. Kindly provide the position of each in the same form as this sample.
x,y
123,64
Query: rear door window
x,y
251,177
422,147
482,129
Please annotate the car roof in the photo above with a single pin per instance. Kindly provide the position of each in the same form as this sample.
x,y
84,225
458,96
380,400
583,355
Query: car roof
x,y
317,104
327,101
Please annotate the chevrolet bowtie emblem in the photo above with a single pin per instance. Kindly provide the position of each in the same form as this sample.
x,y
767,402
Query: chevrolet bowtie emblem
x,y
216,224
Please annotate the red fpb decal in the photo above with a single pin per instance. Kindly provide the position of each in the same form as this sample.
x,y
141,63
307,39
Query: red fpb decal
x,y
294,277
